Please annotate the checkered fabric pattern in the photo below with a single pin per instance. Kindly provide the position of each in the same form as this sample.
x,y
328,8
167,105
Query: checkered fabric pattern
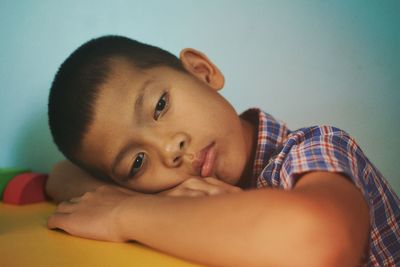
x,y
282,156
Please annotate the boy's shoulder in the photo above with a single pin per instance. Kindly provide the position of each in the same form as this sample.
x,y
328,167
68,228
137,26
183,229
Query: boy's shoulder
x,y
282,156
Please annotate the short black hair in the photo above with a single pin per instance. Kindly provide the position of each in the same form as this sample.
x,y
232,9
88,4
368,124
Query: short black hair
x,y
76,85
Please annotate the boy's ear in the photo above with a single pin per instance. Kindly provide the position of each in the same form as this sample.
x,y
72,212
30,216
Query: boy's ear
x,y
202,68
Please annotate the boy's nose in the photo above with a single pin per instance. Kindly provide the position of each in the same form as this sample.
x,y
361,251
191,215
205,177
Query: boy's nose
x,y
174,149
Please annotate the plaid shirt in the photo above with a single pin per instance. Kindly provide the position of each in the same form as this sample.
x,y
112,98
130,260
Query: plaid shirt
x,y
283,155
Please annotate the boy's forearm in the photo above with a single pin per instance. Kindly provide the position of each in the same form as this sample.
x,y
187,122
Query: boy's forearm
x,y
66,181
241,229
323,221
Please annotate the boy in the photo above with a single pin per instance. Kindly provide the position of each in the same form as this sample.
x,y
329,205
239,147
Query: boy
x,y
176,168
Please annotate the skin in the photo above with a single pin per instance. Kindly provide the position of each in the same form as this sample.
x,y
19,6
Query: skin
x,y
323,221
169,138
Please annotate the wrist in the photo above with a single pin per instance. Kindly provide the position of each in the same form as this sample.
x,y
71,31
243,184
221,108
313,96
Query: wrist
x,y
129,216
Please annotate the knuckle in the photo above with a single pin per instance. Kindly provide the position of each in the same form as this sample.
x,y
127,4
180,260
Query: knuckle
x,y
192,181
214,181
237,189
216,191
210,179
75,200
87,195
103,188
62,205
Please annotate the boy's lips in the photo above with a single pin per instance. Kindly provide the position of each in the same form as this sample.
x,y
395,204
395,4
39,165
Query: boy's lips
x,y
204,161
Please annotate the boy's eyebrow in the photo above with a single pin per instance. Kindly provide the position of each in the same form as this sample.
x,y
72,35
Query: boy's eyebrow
x,y
138,110
140,95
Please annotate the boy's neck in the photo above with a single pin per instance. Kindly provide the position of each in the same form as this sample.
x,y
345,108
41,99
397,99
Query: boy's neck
x,y
250,134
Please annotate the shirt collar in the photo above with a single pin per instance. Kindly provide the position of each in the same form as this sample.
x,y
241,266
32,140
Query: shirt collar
x,y
271,135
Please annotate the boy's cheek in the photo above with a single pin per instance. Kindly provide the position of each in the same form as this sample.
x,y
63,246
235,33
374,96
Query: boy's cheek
x,y
149,184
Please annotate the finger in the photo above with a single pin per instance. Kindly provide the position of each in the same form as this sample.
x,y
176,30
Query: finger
x,y
207,188
75,200
65,207
196,184
216,181
194,193
226,186
57,220
180,192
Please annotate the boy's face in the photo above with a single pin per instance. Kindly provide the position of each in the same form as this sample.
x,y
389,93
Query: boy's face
x,y
154,129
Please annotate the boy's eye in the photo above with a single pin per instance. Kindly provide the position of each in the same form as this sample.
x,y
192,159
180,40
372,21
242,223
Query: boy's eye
x,y
161,105
137,164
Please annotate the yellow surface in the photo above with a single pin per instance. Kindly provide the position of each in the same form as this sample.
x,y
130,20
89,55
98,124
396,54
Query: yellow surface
x,y
25,241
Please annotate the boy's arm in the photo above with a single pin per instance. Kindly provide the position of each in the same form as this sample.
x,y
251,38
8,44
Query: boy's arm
x,y
67,180
322,222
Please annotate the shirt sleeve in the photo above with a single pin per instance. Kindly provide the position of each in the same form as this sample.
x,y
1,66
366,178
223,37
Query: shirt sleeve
x,y
330,149
323,148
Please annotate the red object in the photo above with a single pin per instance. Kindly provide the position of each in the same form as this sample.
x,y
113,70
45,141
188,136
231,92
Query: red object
x,y
25,188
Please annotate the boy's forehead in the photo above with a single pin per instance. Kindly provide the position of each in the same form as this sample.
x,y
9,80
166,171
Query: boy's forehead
x,y
121,70
124,76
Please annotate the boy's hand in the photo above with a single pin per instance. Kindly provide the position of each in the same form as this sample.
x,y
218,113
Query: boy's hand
x,y
194,187
93,215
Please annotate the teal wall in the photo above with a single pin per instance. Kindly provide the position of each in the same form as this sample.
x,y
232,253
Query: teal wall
x,y
305,62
